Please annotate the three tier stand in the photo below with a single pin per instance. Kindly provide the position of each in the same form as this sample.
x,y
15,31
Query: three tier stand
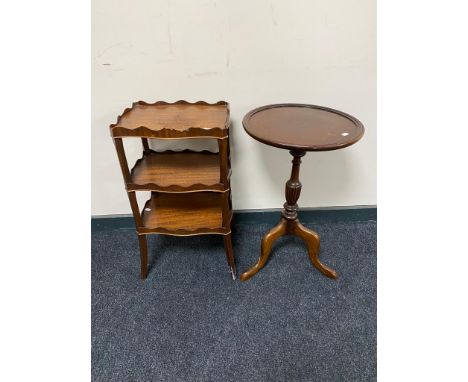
x,y
190,190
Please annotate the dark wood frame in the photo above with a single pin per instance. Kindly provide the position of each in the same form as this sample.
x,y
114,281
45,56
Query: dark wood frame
x,y
221,189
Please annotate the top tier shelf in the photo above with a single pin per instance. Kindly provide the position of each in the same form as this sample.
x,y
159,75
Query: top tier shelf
x,y
180,119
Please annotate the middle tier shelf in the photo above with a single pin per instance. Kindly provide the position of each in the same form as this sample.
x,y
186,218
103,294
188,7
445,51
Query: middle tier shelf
x,y
177,171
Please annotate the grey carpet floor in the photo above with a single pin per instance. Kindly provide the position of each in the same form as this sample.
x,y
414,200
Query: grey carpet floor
x,y
188,321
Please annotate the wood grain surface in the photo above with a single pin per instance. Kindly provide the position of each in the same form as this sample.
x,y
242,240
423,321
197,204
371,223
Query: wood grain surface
x,y
180,119
302,127
180,214
185,171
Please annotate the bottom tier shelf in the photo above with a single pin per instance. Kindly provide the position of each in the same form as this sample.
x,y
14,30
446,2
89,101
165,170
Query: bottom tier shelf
x,y
183,215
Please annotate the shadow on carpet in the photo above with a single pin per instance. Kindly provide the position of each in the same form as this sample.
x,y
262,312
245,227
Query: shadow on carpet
x,y
188,321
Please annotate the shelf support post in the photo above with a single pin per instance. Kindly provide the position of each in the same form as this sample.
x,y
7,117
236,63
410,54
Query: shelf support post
x,y
146,148
223,161
126,174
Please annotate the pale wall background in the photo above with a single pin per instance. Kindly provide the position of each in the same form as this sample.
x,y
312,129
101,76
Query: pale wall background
x,y
249,53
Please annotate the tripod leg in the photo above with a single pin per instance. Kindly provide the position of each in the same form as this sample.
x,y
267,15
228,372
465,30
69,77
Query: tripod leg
x,y
267,243
313,245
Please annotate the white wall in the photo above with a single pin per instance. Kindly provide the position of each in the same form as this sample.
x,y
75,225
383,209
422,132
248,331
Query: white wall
x,y
248,53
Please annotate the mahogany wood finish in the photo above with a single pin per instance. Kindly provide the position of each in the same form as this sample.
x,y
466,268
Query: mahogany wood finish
x,y
184,215
146,148
302,127
299,128
143,256
230,254
172,171
190,191
180,119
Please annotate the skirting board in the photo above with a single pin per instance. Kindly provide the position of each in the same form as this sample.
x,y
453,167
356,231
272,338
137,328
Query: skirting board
x,y
270,216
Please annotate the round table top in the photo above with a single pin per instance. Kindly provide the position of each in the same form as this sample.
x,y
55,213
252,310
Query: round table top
x,y
302,127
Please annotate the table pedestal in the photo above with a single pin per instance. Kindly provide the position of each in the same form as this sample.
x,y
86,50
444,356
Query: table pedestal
x,y
289,225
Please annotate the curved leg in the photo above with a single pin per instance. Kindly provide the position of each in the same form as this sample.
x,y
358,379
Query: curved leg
x,y
267,243
230,255
313,244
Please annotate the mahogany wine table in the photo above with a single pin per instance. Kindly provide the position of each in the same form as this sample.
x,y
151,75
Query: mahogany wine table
x,y
298,128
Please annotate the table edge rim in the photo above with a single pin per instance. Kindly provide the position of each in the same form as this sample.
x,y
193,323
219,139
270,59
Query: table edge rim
x,y
356,122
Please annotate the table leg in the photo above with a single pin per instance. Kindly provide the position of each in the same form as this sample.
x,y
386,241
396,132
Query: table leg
x,y
289,224
229,255
313,246
143,256
267,242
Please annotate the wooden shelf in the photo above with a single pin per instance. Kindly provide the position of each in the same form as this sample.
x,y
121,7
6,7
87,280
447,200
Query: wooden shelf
x,y
190,191
182,215
171,171
180,119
